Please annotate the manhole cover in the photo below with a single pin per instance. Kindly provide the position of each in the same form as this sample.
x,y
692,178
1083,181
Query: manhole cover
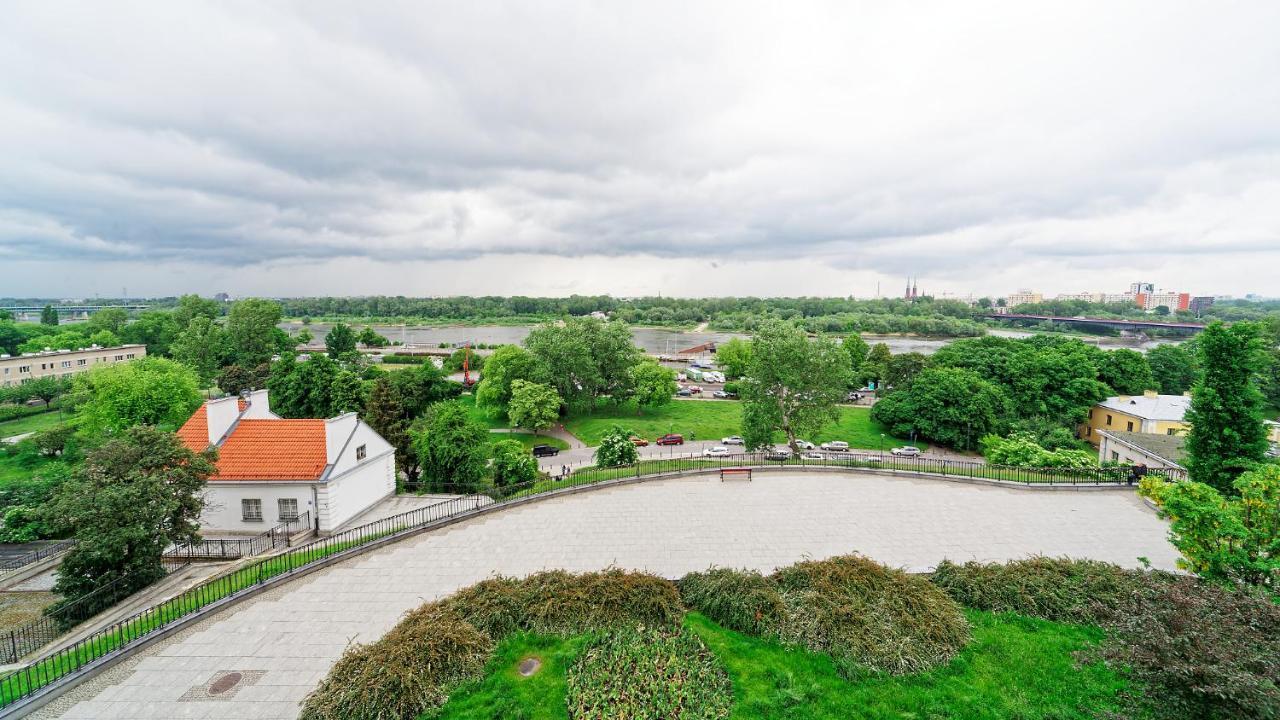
x,y
225,683
529,666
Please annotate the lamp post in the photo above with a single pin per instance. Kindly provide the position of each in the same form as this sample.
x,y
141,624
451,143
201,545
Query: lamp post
x,y
881,446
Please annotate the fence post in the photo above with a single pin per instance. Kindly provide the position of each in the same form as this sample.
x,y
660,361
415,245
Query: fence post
x,y
13,641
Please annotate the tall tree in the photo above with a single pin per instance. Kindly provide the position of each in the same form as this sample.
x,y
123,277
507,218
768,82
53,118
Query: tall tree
x,y
1227,434
112,319
792,385
150,391
876,366
586,358
49,316
652,385
1126,371
533,406
202,346
302,389
251,331
370,338
131,498
506,365
191,307
46,388
388,417
512,464
857,349
155,329
1173,367
348,394
453,449
952,406
902,370
734,357
341,339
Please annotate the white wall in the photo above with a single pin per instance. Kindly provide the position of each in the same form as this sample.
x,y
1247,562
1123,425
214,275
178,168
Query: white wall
x,y
350,493
222,511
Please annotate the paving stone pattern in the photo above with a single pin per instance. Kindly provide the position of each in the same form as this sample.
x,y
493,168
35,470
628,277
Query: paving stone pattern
x,y
286,639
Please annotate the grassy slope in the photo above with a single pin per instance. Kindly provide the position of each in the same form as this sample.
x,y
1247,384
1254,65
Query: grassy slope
x,y
1014,668
715,419
528,440
31,423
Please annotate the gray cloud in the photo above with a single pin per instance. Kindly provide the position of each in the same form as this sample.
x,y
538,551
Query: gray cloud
x,y
983,146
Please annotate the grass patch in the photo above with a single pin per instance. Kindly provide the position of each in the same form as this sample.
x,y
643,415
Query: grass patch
x,y
528,440
505,693
481,415
708,420
31,423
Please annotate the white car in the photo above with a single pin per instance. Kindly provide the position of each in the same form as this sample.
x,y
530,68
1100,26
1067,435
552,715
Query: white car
x,y
732,440
717,451
836,445
813,456
906,451
804,445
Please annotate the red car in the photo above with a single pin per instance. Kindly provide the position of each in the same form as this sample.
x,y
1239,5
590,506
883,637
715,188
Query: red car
x,y
670,439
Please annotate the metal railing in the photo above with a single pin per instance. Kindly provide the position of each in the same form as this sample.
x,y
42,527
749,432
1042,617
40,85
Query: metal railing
x,y
116,639
36,556
229,549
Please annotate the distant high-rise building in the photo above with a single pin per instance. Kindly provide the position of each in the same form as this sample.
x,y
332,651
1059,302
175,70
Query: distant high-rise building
x,y
1200,303
1023,297
222,297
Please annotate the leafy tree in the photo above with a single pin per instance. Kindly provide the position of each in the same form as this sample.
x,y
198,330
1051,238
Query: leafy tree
x,y
586,358
951,406
474,360
533,405
348,392
55,441
302,337
150,391
616,448
857,349
46,388
512,464
252,332
422,386
452,448
303,389
370,338
102,338
1126,371
340,340
1227,434
507,364
1173,367
1228,540
1162,310
876,366
191,307
13,335
5,315
792,385
903,368
1022,450
155,329
49,316
734,357
388,417
131,498
111,319
652,385
235,379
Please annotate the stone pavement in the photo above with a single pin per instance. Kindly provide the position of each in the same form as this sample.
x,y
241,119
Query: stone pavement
x,y
284,641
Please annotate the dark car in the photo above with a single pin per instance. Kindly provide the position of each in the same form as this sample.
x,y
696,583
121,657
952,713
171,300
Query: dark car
x,y
670,439
545,450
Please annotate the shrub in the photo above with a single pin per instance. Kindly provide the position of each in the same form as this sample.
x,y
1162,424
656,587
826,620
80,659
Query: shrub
x,y
741,600
398,359
1077,591
557,602
647,674
408,671
870,617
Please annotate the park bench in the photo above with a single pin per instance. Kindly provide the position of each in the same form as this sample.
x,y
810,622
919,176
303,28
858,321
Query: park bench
x,y
729,472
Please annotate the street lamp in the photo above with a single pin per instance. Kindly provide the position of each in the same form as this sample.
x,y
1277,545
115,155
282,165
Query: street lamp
x,y
882,446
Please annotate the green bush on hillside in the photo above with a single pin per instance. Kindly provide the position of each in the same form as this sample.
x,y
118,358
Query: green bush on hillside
x,y
1059,589
742,600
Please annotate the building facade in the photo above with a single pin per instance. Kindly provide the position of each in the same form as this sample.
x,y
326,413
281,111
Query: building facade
x,y
18,369
1149,413
1023,297
1153,451
271,470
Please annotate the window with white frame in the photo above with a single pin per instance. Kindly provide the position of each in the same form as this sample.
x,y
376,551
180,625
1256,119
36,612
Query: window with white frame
x,y
361,452
288,508
251,510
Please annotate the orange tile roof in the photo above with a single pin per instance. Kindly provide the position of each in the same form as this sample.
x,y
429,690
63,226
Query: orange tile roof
x,y
264,449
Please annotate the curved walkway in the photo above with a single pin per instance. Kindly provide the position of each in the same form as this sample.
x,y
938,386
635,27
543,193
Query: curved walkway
x,y
283,642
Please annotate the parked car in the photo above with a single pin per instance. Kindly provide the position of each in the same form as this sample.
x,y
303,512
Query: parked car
x,y
777,454
694,389
684,392
717,451
670,439
811,455
639,441
732,440
835,445
804,445
545,450
722,395
906,451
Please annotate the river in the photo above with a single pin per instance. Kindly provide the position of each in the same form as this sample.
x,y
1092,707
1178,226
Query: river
x,y
660,341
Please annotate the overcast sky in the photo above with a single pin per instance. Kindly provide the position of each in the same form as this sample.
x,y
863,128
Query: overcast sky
x,y
779,148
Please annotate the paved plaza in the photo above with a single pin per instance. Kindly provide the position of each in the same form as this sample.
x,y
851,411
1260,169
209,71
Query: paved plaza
x,y
284,641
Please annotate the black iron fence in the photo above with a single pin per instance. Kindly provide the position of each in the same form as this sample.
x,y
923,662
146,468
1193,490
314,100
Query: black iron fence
x,y
229,549
36,556
117,638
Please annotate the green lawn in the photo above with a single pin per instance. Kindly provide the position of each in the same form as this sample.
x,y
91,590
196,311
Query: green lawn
x,y
481,415
31,423
1015,667
528,440
706,420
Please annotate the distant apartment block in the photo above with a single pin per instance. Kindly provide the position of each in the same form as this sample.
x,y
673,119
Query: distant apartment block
x,y
18,369
1023,297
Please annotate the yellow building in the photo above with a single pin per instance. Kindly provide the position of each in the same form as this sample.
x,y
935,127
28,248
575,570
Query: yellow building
x,y
1150,413
1273,431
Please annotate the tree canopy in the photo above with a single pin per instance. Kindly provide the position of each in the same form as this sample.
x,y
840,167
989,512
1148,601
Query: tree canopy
x,y
150,391
1227,434
452,448
533,406
951,406
793,384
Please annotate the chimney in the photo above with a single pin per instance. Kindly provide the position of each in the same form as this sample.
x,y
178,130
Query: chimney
x,y
336,432
259,405
220,415
1122,399
1150,394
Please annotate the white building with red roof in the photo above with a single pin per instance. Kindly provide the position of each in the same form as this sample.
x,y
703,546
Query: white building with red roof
x,y
271,470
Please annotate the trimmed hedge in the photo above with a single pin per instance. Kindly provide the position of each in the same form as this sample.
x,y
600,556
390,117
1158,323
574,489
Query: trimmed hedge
x,y
409,670
866,616
646,674
561,603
